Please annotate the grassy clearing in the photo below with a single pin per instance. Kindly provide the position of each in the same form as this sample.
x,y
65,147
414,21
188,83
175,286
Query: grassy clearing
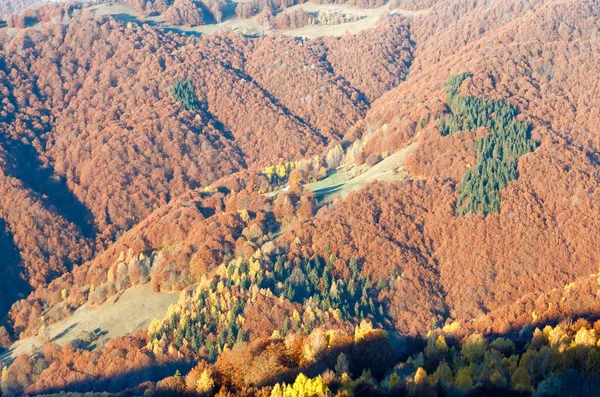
x,y
118,316
348,179
250,27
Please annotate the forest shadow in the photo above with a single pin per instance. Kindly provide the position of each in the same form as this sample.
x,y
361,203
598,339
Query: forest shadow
x,y
229,10
52,188
594,158
64,332
526,331
190,33
222,128
323,192
12,286
29,22
206,212
89,340
123,17
377,354
124,381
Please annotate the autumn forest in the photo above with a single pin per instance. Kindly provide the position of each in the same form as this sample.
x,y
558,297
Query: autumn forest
x,y
299,198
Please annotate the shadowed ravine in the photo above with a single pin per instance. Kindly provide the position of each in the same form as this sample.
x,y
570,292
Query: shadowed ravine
x,y
52,188
13,287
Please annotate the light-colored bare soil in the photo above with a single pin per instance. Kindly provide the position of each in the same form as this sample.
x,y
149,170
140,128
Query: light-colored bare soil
x,y
118,316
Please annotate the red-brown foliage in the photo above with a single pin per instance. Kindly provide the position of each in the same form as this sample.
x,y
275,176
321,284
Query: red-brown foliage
x,y
91,103
319,98
248,9
373,61
123,362
101,119
184,12
290,20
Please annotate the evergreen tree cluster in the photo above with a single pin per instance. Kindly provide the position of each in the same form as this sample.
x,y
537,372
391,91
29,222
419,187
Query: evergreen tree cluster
x,y
453,84
497,153
314,281
183,92
211,319
213,316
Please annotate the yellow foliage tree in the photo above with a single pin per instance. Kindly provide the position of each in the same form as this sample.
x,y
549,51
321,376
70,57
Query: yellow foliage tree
x,y
302,387
449,328
244,215
347,383
276,391
464,379
420,376
154,326
585,337
440,344
503,345
205,383
521,380
363,330
269,171
281,171
556,335
443,374
334,156
473,349
394,380
111,275
497,379
314,345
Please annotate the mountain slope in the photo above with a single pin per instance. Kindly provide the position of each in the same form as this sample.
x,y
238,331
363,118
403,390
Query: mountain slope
x,y
188,163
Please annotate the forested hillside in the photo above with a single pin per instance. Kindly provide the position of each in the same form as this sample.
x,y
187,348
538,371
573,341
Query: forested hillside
x,y
219,166
98,139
